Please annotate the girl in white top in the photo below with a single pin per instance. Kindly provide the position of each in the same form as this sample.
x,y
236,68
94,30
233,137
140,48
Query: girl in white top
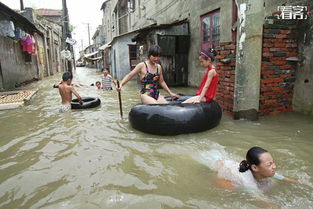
x,y
253,174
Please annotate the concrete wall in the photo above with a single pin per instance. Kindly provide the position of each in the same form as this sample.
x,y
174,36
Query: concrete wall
x,y
106,22
248,61
303,90
56,46
14,68
40,58
120,65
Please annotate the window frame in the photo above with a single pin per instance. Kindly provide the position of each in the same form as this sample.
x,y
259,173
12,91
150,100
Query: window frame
x,y
211,43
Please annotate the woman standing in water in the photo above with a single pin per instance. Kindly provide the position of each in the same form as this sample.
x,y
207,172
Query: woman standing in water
x,y
151,77
253,175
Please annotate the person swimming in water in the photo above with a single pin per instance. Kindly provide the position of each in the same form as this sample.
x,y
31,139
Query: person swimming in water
x,y
254,174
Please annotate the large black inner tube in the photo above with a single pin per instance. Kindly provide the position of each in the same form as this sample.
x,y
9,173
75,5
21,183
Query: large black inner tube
x,y
175,118
88,102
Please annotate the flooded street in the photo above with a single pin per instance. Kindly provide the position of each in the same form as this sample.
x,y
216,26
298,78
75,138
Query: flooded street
x,y
92,159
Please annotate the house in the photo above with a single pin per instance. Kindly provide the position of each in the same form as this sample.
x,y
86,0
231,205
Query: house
x,y
98,39
52,21
18,57
263,62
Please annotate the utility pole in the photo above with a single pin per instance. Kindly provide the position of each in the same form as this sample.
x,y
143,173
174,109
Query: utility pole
x,y
88,27
67,33
88,33
22,5
82,44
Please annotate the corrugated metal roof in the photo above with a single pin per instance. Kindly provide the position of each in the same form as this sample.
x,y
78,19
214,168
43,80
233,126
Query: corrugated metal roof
x,y
18,19
143,31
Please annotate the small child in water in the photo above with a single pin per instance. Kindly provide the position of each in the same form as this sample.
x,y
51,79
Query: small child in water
x,y
98,85
66,90
107,80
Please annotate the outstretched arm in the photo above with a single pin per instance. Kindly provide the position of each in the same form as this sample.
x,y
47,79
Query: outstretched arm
x,y
286,179
290,180
135,71
77,95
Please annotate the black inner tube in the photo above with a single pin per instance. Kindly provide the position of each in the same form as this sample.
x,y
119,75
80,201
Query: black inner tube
x,y
88,102
175,118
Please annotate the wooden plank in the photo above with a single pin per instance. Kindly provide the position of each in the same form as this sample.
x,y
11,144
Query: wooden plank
x,y
21,96
31,95
4,93
9,106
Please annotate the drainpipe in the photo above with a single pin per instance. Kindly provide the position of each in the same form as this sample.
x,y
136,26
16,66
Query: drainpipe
x,y
46,55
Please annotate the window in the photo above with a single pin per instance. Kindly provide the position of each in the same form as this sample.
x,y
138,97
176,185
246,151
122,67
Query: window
x,y
27,57
132,56
131,5
210,29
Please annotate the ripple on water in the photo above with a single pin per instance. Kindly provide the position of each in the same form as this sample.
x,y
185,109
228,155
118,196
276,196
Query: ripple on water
x,y
94,159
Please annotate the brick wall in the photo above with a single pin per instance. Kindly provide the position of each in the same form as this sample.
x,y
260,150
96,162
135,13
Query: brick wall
x,y
226,63
277,72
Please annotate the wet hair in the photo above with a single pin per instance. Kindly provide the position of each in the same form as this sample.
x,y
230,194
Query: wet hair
x,y
209,53
66,76
98,82
106,69
252,158
154,50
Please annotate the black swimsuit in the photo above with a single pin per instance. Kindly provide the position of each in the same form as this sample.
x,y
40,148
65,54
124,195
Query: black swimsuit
x,y
150,83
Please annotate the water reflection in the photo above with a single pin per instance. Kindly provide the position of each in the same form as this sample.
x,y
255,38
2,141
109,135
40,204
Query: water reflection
x,y
94,159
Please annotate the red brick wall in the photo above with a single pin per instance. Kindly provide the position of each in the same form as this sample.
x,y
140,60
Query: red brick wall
x,y
226,63
277,74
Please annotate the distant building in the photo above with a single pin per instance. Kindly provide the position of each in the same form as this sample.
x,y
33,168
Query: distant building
x,y
53,15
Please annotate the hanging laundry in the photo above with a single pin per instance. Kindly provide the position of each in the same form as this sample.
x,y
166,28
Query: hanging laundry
x,y
29,44
23,35
18,33
7,28
33,51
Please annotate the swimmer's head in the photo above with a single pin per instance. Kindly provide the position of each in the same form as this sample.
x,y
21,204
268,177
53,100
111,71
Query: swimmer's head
x,y
260,162
98,84
67,76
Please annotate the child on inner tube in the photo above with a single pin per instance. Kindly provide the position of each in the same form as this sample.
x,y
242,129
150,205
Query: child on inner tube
x,y
151,77
252,175
207,89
